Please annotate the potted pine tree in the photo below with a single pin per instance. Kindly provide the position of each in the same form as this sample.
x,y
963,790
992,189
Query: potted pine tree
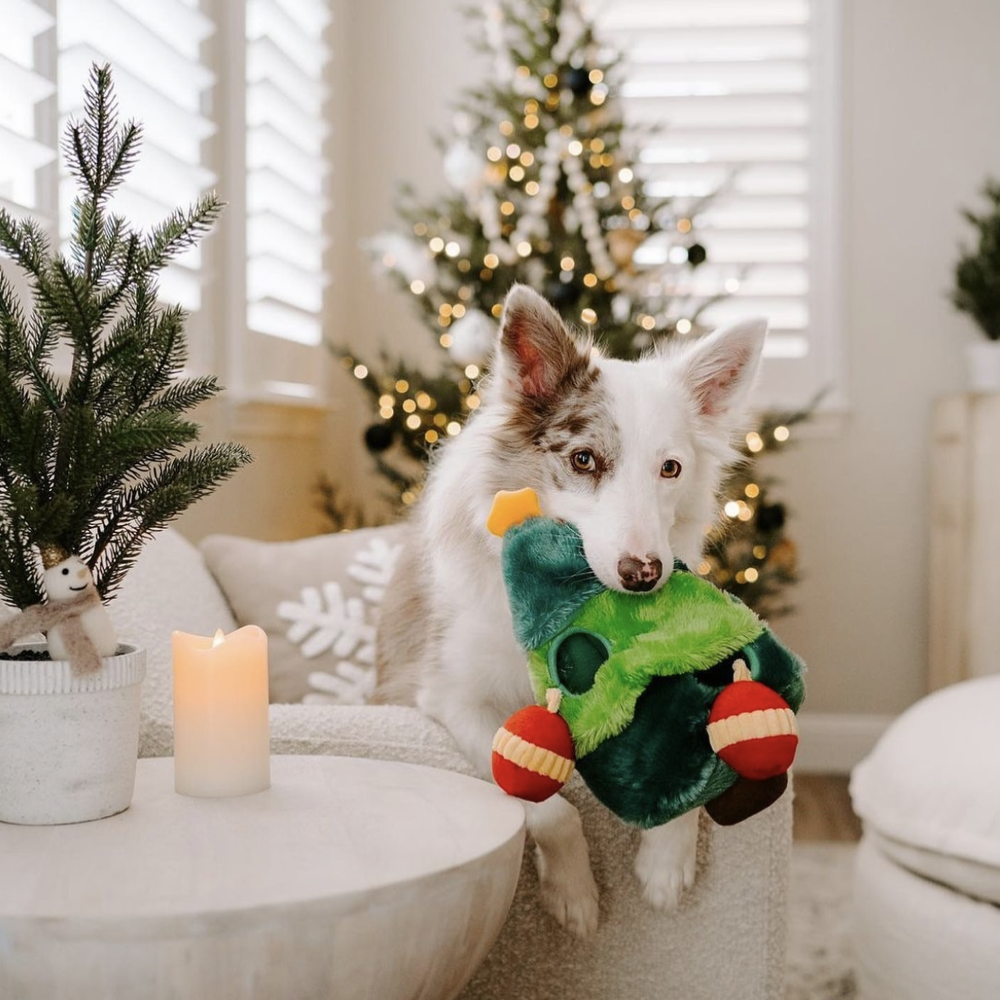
x,y
977,290
96,454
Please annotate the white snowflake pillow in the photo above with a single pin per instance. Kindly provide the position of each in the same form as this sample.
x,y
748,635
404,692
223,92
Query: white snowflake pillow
x,y
318,601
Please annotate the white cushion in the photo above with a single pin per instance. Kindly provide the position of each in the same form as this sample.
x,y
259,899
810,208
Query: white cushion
x,y
317,599
916,940
169,589
929,788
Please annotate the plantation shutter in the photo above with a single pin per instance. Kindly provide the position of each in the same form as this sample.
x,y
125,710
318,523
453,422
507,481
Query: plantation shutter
x,y
27,145
155,50
286,62
741,100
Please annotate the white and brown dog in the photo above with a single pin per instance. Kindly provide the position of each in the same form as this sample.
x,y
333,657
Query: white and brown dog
x,y
632,454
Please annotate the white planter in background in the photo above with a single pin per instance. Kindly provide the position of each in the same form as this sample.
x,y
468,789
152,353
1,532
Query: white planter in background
x,y
68,744
983,365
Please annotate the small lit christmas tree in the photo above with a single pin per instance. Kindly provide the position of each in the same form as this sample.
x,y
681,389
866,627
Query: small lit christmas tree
x,y
977,273
542,190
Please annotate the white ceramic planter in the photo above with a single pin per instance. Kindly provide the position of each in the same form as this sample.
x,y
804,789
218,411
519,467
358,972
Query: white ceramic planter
x,y
982,359
68,745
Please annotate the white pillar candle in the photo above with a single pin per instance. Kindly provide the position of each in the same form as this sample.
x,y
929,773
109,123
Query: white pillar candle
x,y
221,732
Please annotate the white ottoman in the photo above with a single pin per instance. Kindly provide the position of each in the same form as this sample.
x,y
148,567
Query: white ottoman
x,y
927,877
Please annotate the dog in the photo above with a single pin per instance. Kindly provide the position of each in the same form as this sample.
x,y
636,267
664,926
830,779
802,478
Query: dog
x,y
632,453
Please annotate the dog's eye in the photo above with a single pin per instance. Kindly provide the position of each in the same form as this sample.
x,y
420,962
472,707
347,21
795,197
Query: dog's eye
x,y
670,469
583,461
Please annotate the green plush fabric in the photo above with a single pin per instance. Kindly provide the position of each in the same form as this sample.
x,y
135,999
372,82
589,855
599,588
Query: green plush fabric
x,y
686,625
548,578
638,672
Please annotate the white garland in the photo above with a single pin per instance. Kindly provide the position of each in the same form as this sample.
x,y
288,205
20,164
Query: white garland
x,y
571,26
555,157
590,223
493,19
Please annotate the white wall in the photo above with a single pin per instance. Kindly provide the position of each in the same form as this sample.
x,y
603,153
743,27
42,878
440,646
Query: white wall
x,y
922,86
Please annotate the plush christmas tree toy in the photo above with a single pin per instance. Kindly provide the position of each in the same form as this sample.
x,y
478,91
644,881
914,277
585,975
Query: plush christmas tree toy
x,y
668,700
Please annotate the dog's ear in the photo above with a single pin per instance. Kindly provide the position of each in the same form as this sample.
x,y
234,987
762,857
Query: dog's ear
x,y
721,368
537,353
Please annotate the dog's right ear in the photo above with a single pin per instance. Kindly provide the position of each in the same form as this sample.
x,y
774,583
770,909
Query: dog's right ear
x,y
537,354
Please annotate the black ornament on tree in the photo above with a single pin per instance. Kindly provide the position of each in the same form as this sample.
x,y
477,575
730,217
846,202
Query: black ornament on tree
x,y
378,437
771,517
562,293
697,254
578,80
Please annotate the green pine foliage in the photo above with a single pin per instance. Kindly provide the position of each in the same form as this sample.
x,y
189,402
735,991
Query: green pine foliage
x,y
977,273
97,454
749,552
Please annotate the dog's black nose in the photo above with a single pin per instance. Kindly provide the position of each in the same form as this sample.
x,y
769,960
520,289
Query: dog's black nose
x,y
639,574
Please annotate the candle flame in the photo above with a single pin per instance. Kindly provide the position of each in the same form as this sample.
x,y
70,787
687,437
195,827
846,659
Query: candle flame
x,y
219,638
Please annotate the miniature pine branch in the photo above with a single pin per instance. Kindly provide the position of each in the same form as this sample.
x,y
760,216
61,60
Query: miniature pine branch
x,y
98,458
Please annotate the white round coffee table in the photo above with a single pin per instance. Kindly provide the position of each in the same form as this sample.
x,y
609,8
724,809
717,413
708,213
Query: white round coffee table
x,y
347,878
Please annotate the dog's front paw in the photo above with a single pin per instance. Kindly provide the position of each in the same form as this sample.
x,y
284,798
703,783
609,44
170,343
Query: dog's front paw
x,y
666,860
664,880
569,893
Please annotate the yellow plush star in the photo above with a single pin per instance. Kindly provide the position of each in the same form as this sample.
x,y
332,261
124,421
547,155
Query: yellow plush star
x,y
511,507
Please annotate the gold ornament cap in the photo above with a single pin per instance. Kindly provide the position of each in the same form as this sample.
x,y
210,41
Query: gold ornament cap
x,y
52,554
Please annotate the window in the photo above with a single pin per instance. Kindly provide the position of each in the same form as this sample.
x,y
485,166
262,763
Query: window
x,y
286,61
161,81
26,84
285,167
230,96
741,100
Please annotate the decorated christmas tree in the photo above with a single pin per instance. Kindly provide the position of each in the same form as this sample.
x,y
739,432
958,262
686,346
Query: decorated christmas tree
x,y
543,189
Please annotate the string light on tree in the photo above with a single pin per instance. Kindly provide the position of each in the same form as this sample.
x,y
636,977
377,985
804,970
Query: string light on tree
x,y
748,551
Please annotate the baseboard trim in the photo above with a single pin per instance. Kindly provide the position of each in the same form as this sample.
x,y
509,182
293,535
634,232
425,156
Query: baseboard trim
x,y
831,743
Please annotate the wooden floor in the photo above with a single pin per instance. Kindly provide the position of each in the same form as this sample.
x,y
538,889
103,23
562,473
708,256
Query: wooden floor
x,y
822,810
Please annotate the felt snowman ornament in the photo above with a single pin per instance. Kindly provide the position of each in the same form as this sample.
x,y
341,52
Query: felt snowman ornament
x,y
76,623
69,581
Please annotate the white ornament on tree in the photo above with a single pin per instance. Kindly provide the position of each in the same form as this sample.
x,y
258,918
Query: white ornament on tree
x,y
463,169
472,338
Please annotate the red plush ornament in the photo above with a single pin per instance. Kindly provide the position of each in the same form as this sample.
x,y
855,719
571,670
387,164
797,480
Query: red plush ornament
x,y
533,752
752,728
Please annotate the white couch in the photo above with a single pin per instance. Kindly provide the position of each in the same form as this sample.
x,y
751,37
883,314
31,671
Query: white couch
x,y
727,939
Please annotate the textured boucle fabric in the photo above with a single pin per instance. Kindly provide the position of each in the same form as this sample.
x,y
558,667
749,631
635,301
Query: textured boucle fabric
x,y
726,940
169,589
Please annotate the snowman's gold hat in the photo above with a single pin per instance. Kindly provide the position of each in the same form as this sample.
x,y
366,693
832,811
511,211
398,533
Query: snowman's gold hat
x,y
52,554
